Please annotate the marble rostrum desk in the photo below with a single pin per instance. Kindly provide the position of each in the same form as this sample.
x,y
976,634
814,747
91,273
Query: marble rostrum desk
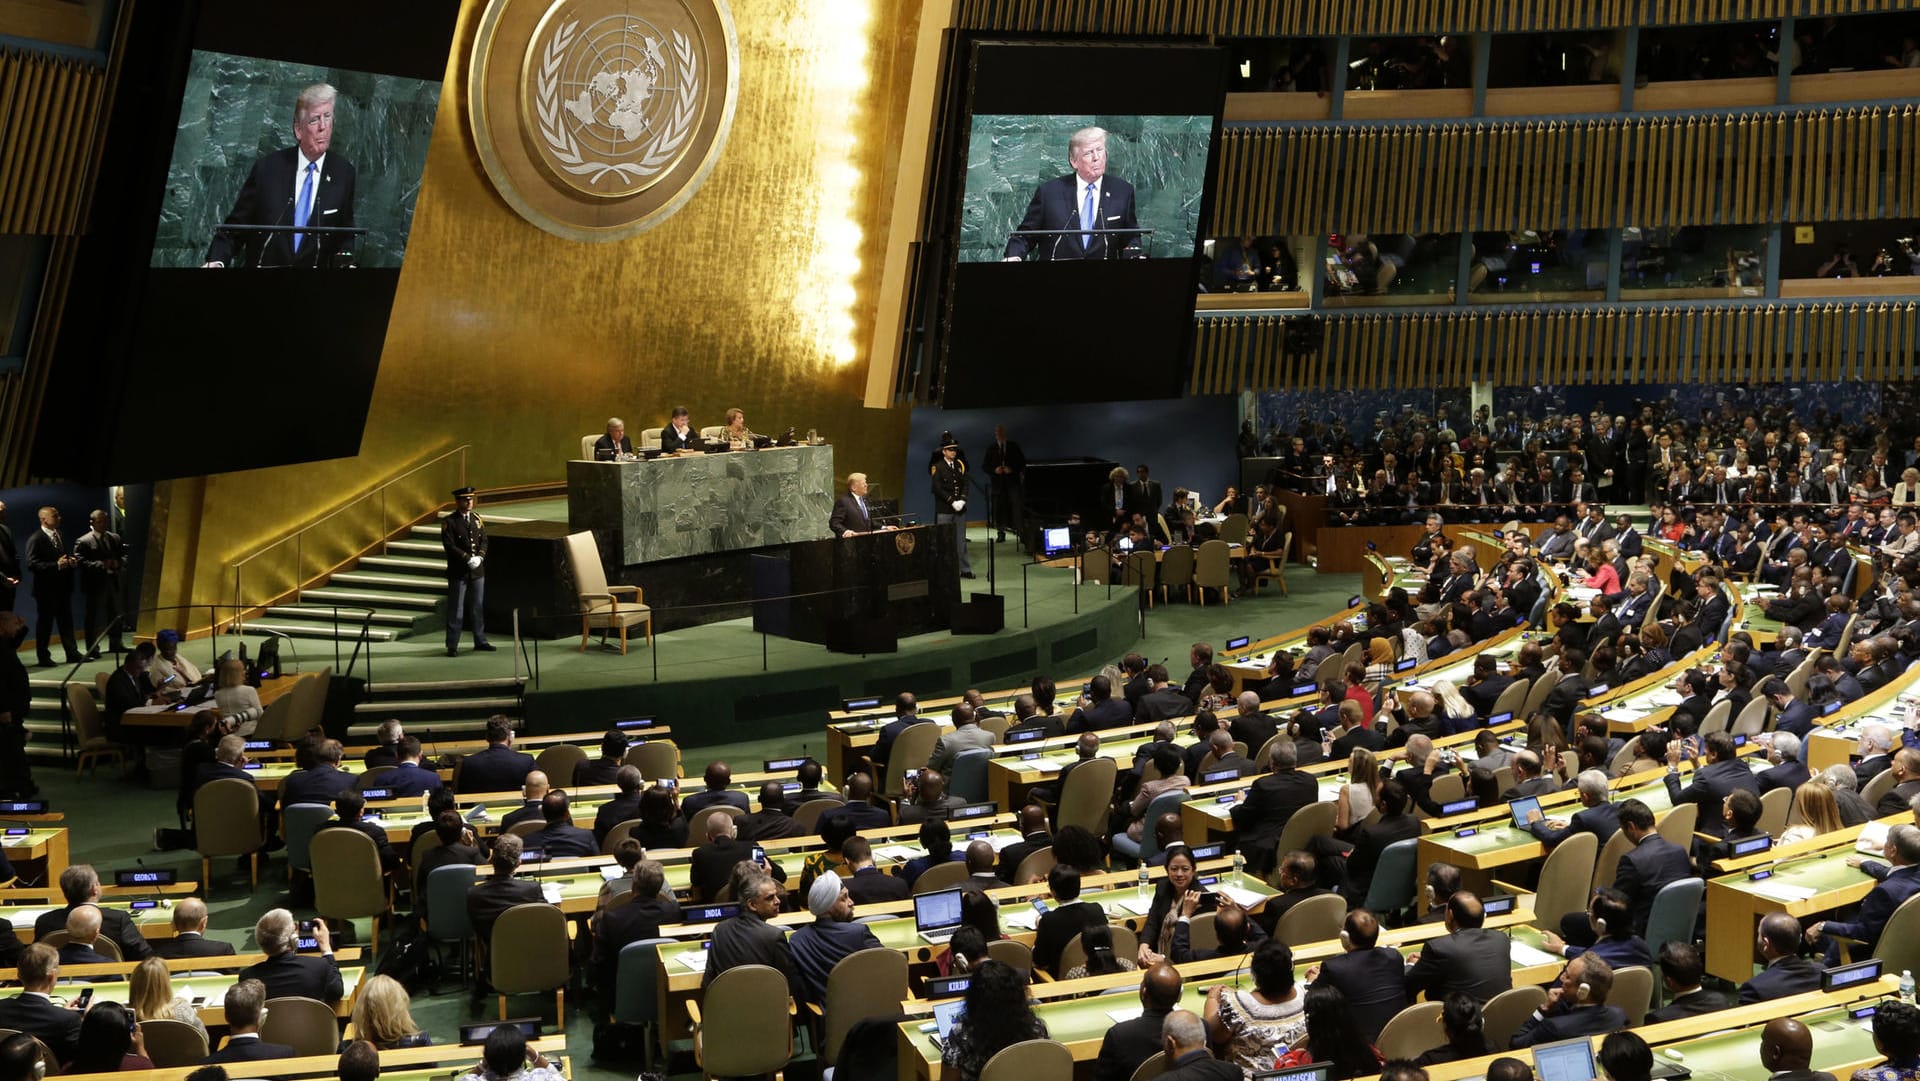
x,y
673,508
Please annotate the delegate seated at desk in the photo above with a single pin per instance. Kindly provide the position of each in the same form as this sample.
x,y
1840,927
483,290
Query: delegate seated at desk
x,y
613,446
680,435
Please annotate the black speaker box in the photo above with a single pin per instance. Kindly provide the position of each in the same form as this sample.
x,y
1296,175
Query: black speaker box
x,y
862,635
986,613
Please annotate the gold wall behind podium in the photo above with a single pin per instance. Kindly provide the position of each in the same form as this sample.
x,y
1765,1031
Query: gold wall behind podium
x,y
759,293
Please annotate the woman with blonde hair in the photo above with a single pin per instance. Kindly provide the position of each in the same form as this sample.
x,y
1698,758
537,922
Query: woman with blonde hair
x,y
381,1017
1355,802
239,704
151,996
1819,813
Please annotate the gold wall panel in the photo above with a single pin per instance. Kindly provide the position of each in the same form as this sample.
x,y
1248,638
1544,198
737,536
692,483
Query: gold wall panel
x,y
1289,18
518,342
49,104
1587,345
1732,168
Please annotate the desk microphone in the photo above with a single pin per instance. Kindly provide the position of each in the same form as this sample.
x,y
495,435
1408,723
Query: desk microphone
x,y
266,239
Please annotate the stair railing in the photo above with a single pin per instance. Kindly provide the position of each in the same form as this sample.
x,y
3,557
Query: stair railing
x,y
363,504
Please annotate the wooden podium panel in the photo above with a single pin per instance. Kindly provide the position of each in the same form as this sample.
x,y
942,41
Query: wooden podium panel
x,y
907,579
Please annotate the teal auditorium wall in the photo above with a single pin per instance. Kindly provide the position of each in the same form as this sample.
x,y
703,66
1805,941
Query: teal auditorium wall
x,y
1163,157
236,109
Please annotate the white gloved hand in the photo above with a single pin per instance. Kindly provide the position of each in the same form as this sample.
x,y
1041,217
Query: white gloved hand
x,y
959,505
473,562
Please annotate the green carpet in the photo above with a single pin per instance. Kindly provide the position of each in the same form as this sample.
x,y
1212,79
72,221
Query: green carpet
x,y
112,821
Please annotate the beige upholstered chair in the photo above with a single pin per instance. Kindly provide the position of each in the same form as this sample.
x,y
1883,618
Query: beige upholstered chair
x,y
94,744
739,1021
226,822
649,439
529,953
600,604
348,882
586,446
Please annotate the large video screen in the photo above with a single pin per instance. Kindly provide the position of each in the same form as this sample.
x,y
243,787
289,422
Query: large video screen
x,y
259,179
265,147
1075,230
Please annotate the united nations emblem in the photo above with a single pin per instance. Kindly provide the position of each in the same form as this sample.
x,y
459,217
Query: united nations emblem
x,y
598,119
904,543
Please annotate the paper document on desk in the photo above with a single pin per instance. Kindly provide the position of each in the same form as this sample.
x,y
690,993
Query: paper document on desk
x,y
1665,696
695,960
1329,793
1783,891
1126,1013
896,852
550,891
1873,838
1136,902
1241,895
1024,918
1623,714
613,871
1529,956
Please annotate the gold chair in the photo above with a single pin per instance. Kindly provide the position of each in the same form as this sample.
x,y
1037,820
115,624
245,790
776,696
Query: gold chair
x,y
527,827
1537,694
649,439
1565,879
304,1024
1505,1012
865,983
1610,853
618,833
656,759
1212,569
90,730
600,604
1037,864
697,825
1029,1060
1881,784
1316,919
529,953
102,945
1125,944
172,1043
1096,566
1632,991
1275,569
1012,953
1087,796
1412,1032
1307,822
1752,718
348,882
559,761
1774,806
1141,572
1154,1065
309,705
1676,826
1511,699
738,1020
910,752
226,817
807,815
941,876
1176,571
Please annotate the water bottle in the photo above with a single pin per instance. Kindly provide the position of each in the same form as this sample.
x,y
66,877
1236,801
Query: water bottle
x,y
1239,863
1906,985
1146,877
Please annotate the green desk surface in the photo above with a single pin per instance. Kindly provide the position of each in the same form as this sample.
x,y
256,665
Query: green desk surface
x,y
1838,1040
33,837
1820,873
213,986
1486,839
23,916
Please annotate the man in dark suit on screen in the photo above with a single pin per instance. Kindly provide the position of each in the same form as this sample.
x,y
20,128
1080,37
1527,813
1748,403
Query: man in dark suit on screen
x,y
305,184
1088,199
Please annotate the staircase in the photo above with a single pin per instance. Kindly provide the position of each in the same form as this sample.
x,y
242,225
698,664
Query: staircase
x,y
43,716
450,708
405,587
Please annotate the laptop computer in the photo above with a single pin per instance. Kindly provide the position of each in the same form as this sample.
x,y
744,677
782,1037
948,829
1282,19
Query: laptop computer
x,y
1056,539
1522,808
936,915
1567,1060
945,1014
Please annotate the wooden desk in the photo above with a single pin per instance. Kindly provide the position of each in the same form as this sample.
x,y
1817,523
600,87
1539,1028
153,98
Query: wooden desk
x,y
179,715
40,843
1803,883
411,1060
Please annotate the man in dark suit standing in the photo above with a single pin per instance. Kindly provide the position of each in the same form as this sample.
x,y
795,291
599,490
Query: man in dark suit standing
x,y
1470,958
1132,1042
1651,863
9,563
463,536
614,445
1006,466
33,1010
1681,968
52,565
1372,976
301,185
1721,775
100,553
190,933
1088,200
499,768
286,972
850,517
245,1003
1270,802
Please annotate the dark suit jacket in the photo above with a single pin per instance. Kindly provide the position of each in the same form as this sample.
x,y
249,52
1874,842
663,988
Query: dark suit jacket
x,y
247,1049
1600,821
1700,1002
1011,855
1128,1044
1368,843
1473,961
631,922
74,953
1202,1066
1788,775
1374,982
307,975
560,839
1785,976
317,785
1162,705
1566,1024
1895,800
848,517
461,538
1058,927
413,779
872,886
499,768
613,812
93,551
1711,785
43,559
1055,205
1112,713
114,924
1896,885
267,198
710,865
1271,800
604,450
747,939
491,896
863,815
1646,867
56,1026
190,944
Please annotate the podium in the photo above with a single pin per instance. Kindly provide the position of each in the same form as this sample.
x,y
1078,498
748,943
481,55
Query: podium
x,y
866,592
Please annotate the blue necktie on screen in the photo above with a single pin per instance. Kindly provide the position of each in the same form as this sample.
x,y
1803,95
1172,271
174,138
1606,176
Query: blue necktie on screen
x,y
1086,218
303,206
